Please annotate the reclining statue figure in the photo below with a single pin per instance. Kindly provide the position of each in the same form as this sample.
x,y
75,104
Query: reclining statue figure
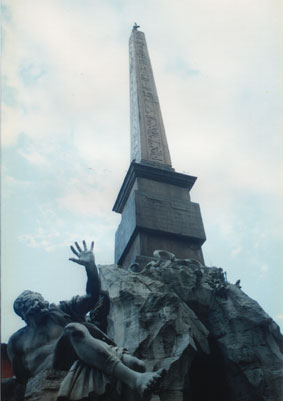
x,y
58,337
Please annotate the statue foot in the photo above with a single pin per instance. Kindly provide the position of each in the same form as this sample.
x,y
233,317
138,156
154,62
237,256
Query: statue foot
x,y
149,382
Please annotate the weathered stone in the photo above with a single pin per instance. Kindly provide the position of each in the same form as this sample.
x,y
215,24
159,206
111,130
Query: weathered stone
x,y
64,338
157,214
44,386
215,341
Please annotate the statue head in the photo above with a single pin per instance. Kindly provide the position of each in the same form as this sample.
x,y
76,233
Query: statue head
x,y
30,303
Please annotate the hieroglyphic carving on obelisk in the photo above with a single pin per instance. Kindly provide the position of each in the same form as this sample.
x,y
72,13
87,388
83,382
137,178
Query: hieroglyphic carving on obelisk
x,y
148,138
154,199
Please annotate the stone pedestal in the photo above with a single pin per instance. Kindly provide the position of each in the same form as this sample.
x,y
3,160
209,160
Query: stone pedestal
x,y
157,213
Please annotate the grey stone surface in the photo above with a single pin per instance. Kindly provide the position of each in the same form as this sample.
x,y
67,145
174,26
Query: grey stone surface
x,y
154,200
148,139
216,342
159,214
150,174
174,217
44,386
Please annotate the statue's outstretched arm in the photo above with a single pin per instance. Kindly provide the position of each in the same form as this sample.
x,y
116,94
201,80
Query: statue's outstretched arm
x,y
85,257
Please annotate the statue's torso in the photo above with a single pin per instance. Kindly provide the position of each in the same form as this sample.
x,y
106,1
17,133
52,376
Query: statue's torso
x,y
38,345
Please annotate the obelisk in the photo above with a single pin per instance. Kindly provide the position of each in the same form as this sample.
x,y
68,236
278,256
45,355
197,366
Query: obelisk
x,y
148,138
154,200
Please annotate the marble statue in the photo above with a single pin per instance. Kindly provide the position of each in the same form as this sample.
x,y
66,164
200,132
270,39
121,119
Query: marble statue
x,y
59,337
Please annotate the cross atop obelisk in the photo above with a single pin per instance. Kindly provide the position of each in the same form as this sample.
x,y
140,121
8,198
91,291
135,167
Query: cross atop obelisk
x,y
148,138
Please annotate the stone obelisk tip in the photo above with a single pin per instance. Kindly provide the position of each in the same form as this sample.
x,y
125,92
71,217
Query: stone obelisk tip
x,y
148,138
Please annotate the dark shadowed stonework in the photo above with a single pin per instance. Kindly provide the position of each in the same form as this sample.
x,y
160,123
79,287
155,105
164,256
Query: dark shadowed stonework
x,y
216,342
154,200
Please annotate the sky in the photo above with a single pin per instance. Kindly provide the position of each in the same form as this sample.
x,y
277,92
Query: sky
x,y
66,138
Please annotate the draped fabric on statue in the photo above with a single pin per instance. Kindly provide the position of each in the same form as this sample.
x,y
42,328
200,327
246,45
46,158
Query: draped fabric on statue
x,y
83,381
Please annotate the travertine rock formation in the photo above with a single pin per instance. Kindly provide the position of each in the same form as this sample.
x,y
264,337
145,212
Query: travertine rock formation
x,y
216,342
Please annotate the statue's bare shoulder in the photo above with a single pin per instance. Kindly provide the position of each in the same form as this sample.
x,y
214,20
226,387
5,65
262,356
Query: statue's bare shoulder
x,y
15,342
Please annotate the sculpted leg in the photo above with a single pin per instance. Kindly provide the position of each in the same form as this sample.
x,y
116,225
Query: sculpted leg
x,y
90,350
145,383
98,354
133,363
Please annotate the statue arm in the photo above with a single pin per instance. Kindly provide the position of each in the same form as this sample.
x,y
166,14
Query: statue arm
x,y
16,357
93,285
85,258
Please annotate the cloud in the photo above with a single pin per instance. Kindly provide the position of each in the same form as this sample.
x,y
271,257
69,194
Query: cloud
x,y
236,251
34,157
67,63
62,64
54,230
65,121
31,73
264,268
84,199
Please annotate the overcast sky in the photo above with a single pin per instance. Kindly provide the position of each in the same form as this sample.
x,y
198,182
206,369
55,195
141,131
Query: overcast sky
x,y
66,141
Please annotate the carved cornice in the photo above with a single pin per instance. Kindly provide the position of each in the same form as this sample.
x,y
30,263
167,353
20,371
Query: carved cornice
x,y
165,175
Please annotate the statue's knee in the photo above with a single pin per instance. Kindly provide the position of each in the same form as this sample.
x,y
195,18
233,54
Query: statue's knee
x,y
75,330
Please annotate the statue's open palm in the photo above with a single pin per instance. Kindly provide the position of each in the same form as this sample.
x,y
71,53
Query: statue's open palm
x,y
85,256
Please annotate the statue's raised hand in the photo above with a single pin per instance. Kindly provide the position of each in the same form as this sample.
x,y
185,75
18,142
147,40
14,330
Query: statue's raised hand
x,y
85,256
